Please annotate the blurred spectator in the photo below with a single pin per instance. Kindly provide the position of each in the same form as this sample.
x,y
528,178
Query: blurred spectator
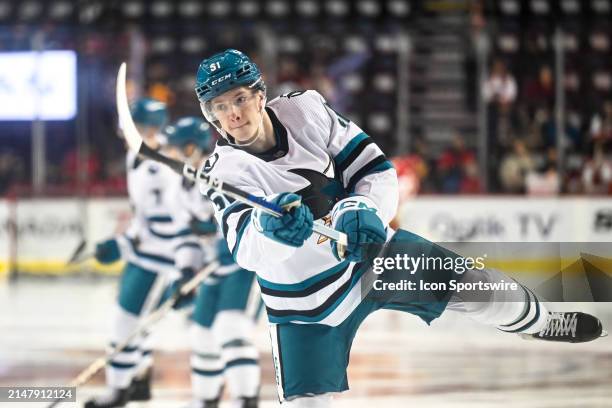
x,y
477,39
21,37
546,180
500,87
477,17
114,176
413,174
548,127
514,168
470,182
539,92
572,182
597,172
339,69
499,91
547,124
413,171
290,77
11,171
454,167
573,131
320,81
601,123
71,170
161,92
409,170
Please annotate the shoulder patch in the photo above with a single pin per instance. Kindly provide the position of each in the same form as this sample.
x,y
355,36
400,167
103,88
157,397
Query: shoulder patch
x,y
210,162
291,94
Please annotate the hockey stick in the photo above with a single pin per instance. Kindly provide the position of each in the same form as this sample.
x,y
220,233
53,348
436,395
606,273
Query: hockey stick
x,y
76,255
135,142
86,375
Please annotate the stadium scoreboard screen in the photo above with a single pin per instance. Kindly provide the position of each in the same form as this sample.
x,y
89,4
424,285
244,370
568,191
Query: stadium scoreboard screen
x,y
38,85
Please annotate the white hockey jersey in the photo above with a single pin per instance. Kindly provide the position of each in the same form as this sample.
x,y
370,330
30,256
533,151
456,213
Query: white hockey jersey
x,y
324,157
153,226
198,249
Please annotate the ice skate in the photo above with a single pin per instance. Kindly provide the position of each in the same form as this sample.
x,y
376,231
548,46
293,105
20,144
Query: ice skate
x,y
140,389
569,327
115,397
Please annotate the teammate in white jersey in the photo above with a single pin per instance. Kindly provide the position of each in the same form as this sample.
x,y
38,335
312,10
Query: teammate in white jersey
x,y
148,248
302,155
227,302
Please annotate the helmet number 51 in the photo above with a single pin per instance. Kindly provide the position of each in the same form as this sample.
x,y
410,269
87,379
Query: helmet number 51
x,y
215,66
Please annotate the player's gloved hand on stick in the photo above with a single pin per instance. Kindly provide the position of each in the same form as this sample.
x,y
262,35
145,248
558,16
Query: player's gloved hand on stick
x,y
107,252
364,229
174,289
295,225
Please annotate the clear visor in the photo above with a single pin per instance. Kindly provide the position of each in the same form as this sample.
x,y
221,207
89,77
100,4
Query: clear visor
x,y
211,111
207,112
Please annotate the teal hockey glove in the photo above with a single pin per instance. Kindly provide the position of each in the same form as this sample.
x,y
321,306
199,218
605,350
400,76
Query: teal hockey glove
x,y
364,229
107,252
295,225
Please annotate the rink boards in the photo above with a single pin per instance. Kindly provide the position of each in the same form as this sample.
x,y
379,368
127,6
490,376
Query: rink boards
x,y
48,230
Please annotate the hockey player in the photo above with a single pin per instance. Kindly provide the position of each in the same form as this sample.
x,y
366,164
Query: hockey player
x,y
303,156
227,303
148,249
227,307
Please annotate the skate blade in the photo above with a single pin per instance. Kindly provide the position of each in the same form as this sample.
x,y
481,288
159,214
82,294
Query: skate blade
x,y
529,337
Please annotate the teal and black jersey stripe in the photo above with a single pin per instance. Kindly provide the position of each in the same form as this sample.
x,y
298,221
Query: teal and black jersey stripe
x,y
164,219
150,257
241,362
324,309
194,245
208,373
236,207
122,366
305,288
182,233
241,225
159,218
351,151
376,165
126,349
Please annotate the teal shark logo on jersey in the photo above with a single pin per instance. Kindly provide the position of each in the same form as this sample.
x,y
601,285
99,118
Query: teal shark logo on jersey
x,y
322,192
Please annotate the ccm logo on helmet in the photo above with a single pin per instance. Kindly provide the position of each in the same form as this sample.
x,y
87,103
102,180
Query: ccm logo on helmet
x,y
223,78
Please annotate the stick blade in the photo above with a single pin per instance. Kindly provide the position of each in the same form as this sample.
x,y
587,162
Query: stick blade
x,y
126,123
77,252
